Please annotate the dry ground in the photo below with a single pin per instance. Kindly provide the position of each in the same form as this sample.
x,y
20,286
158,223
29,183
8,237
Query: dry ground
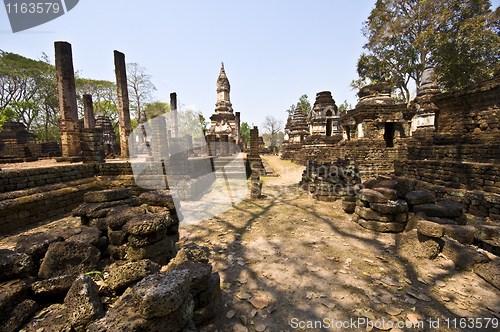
x,y
311,262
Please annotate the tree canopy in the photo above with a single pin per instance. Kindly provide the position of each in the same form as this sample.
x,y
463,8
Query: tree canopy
x,y
156,108
272,127
460,38
304,104
28,94
103,95
140,87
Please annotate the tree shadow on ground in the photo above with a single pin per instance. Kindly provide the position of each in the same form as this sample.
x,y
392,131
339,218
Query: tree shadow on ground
x,y
313,263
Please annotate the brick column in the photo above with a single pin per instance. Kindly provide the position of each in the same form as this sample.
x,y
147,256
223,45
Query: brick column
x,y
123,103
88,110
255,164
66,94
173,110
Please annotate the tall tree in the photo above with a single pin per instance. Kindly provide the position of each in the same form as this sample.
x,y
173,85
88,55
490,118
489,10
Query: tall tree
x,y
28,92
245,132
291,110
467,43
406,35
272,127
189,122
140,87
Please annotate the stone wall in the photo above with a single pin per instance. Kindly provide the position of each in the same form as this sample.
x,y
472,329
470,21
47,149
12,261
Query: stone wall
x,y
34,177
464,153
458,175
371,155
477,203
31,207
31,195
472,111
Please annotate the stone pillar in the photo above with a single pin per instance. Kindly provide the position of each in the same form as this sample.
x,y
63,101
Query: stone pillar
x,y
92,145
66,94
159,141
178,161
424,122
88,109
255,164
123,103
237,123
173,110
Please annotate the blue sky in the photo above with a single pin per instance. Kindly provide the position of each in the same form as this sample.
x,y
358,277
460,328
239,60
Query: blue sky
x,y
273,51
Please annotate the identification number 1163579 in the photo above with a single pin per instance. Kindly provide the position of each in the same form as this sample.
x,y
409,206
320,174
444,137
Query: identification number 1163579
x,y
32,7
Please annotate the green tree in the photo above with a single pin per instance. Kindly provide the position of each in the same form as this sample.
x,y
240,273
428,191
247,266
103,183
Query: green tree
x,y
6,115
204,123
406,35
345,106
245,132
305,104
189,122
291,110
156,108
24,111
103,95
467,43
28,90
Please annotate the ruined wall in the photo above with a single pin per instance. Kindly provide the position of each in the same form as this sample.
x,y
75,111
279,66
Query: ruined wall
x,y
34,177
31,195
471,112
371,156
465,151
471,176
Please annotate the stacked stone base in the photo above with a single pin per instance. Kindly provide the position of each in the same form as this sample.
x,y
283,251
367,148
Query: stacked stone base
x,y
91,144
379,209
385,203
135,232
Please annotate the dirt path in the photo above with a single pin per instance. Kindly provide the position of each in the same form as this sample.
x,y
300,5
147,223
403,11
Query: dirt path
x,y
314,265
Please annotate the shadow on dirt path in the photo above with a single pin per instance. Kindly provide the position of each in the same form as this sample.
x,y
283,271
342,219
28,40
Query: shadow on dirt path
x,y
318,269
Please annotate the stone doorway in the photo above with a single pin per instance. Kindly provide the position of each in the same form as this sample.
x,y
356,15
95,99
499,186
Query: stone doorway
x,y
389,134
329,123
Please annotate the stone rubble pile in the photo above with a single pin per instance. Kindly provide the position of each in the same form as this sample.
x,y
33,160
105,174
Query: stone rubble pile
x,y
185,293
137,228
433,227
328,181
126,246
384,203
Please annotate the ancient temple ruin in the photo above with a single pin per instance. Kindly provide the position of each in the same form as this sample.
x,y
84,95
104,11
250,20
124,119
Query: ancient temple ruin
x,y
225,124
324,117
298,130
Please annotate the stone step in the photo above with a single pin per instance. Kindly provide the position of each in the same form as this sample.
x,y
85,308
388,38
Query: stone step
x,y
231,175
231,168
